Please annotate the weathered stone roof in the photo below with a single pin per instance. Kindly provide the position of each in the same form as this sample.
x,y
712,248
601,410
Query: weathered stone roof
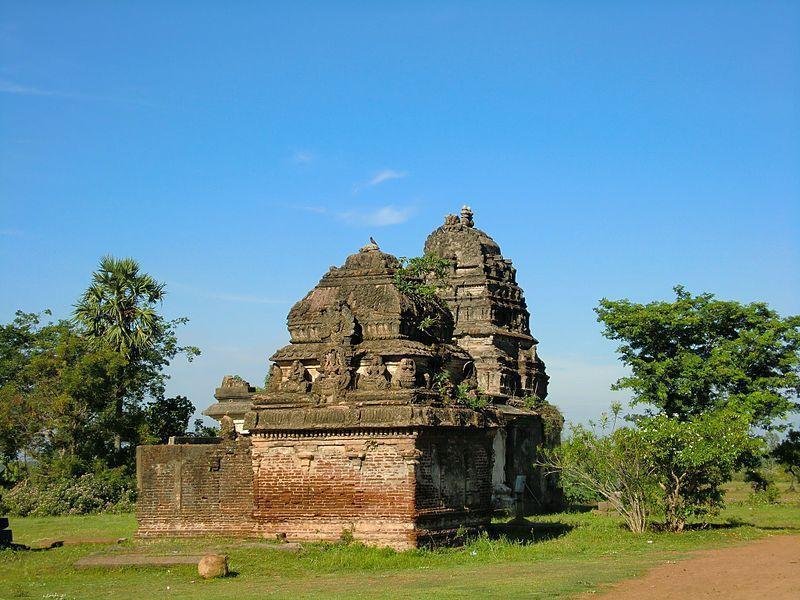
x,y
491,317
363,337
360,301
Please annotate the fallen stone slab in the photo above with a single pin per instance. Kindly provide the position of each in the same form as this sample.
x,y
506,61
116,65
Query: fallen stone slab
x,y
135,560
50,543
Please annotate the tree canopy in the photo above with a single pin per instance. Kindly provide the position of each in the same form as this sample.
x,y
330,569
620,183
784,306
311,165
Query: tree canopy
x,y
77,396
118,312
698,353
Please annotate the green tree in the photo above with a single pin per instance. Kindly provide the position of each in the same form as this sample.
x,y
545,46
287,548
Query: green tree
x,y
609,462
118,312
698,353
787,453
691,459
54,394
166,417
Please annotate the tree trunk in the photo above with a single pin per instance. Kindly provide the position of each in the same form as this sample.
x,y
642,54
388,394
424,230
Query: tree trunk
x,y
118,394
674,518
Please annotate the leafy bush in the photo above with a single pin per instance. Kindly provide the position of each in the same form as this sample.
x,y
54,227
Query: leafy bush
x,y
107,490
787,453
764,489
576,495
610,463
692,459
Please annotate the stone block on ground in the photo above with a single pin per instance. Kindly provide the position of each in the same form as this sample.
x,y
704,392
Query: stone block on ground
x,y
3,522
5,537
213,565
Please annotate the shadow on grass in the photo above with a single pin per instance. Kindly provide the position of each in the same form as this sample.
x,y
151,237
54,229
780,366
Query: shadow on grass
x,y
523,531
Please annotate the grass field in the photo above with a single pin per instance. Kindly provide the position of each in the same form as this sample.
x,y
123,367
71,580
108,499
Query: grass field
x,y
576,552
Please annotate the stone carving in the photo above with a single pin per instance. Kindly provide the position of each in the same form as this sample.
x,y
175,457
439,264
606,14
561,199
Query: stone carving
x,y
466,216
336,375
375,376
451,221
338,324
233,381
275,378
492,322
227,430
296,381
233,387
406,376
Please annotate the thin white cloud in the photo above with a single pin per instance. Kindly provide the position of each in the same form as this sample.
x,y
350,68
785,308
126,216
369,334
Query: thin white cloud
x,y
313,209
379,217
12,232
386,175
18,89
10,87
302,157
379,178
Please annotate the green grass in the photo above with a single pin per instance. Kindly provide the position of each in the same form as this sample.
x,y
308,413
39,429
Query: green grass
x,y
593,551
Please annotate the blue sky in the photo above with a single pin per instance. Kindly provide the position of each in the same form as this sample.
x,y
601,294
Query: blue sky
x,y
237,150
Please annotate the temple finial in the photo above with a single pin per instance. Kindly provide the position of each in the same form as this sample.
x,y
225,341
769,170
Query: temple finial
x,y
466,216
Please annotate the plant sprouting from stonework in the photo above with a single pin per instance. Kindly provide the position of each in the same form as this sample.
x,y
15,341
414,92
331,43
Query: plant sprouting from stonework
x,y
421,275
443,385
469,395
553,420
464,393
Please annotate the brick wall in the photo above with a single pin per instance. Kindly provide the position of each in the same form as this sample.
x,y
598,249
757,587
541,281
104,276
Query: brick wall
x,y
314,487
395,488
454,481
195,488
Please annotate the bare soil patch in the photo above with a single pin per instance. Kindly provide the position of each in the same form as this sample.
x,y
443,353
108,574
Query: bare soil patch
x,y
768,568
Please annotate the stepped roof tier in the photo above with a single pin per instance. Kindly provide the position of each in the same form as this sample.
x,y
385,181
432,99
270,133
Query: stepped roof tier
x,y
357,338
492,321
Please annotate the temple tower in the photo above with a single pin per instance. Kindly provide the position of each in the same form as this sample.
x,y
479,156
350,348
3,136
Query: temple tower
x,y
492,322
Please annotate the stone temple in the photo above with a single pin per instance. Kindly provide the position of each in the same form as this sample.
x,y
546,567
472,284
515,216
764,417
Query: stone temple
x,y
393,416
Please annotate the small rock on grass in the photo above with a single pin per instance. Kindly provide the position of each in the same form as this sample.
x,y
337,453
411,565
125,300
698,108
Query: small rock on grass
x,y
213,565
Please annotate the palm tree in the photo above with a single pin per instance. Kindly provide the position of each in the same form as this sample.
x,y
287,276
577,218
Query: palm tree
x,y
117,312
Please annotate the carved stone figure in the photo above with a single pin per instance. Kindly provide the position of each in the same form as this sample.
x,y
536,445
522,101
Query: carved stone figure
x,y
338,324
374,378
227,430
275,378
296,381
406,376
335,374
233,387
451,221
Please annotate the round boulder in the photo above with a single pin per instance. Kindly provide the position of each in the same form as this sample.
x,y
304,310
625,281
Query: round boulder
x,y
213,565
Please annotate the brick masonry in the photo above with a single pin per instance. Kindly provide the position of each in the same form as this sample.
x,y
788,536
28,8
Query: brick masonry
x,y
398,488
195,489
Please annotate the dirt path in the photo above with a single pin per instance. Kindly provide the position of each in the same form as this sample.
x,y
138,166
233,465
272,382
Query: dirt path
x,y
768,568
